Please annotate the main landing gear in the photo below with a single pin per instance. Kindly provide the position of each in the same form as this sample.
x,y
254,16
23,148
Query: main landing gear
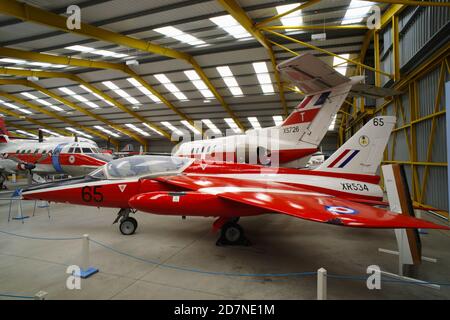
x,y
231,233
128,225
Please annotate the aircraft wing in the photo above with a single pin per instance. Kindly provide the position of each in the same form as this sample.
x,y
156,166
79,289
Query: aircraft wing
x,y
298,202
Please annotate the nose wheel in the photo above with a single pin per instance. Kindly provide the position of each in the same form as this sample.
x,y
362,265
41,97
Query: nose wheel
x,y
232,234
128,225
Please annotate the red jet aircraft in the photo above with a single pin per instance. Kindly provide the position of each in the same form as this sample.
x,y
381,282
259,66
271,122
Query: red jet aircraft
x,y
341,191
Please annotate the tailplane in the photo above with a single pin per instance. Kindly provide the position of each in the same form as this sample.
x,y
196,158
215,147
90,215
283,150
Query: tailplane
x,y
363,152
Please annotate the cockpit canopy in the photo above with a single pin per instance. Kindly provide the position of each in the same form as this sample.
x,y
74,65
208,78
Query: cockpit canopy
x,y
139,166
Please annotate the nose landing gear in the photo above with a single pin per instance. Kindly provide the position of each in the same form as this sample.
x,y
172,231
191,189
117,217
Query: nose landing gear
x,y
128,225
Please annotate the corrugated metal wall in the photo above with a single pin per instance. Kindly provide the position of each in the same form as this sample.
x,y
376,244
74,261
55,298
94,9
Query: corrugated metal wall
x,y
418,26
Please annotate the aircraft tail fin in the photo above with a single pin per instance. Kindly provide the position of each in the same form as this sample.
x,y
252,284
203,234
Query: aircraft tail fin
x,y
363,152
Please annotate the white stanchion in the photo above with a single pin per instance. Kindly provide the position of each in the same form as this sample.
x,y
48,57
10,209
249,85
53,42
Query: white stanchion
x,y
86,270
321,284
13,178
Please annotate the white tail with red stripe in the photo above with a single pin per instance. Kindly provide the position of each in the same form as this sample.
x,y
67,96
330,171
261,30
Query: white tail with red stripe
x,y
363,152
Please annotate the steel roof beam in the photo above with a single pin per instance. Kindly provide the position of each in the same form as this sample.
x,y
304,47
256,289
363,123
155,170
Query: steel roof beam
x,y
70,104
54,115
415,3
26,12
42,57
31,120
75,78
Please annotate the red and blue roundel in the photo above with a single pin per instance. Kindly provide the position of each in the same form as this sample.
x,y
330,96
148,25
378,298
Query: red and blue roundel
x,y
341,210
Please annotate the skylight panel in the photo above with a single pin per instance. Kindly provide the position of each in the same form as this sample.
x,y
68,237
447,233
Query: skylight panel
x,y
138,130
333,123
173,89
190,127
254,122
120,92
153,129
231,26
278,120
9,60
96,95
51,132
179,35
230,81
107,131
41,101
263,76
172,128
339,64
292,19
198,83
100,52
357,11
81,133
211,126
144,90
233,125
78,97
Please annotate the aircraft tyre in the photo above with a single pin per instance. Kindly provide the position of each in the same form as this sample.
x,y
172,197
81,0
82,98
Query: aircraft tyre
x,y
128,226
232,234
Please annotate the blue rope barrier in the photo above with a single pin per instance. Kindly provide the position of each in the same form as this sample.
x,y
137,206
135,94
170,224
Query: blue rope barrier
x,y
15,296
38,238
230,274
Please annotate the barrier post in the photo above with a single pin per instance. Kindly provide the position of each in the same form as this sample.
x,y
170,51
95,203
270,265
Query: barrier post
x,y
40,295
86,270
321,284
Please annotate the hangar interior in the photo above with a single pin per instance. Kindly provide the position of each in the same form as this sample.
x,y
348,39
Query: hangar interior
x,y
137,73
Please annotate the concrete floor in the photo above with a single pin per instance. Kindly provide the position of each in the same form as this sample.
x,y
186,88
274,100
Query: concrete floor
x,y
281,244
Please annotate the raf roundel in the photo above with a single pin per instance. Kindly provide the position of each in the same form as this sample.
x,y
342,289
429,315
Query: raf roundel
x,y
72,159
340,210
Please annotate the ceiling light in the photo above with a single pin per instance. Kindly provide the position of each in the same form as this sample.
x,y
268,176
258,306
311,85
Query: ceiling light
x,y
254,122
120,92
211,126
79,132
181,36
27,133
96,95
41,101
107,131
169,126
190,127
278,120
153,129
51,132
231,26
144,90
9,60
79,98
138,130
198,83
230,81
12,106
162,78
100,52
232,124
263,76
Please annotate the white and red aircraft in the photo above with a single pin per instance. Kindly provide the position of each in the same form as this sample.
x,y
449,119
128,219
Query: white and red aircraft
x,y
49,156
300,134
341,191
